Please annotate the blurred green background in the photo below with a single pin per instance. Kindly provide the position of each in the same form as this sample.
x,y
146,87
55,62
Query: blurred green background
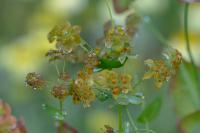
x,y
24,25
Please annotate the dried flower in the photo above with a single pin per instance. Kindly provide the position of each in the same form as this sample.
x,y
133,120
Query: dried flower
x,y
56,54
91,62
34,80
157,70
59,92
81,89
162,70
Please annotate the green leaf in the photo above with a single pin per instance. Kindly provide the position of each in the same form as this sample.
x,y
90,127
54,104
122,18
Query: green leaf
x,y
190,123
151,111
110,63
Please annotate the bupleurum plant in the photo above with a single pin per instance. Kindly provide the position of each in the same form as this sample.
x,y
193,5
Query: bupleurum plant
x,y
100,77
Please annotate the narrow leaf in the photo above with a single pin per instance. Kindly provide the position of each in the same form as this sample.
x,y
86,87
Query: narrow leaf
x,y
151,111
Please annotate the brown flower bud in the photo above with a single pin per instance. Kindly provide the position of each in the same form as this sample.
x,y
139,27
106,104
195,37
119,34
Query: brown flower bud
x,y
34,80
59,92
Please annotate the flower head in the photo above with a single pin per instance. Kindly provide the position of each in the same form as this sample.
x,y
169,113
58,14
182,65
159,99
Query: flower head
x,y
67,37
157,70
8,123
81,89
162,70
34,80
59,92
115,82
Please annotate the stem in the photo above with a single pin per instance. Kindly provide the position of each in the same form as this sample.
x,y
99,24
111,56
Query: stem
x,y
64,66
120,119
147,130
61,113
61,106
131,119
138,83
186,11
85,45
57,70
110,13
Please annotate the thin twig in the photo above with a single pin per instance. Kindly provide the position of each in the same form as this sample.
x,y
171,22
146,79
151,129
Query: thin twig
x,y
131,119
110,13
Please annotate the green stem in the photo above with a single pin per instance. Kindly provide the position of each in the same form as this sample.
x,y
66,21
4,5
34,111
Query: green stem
x,y
186,11
64,64
61,113
138,83
85,46
57,70
147,130
110,13
131,119
120,119
61,106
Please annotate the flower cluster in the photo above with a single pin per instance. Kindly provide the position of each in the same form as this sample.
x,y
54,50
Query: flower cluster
x,y
8,123
67,37
34,80
115,82
59,92
68,42
162,70
117,43
81,89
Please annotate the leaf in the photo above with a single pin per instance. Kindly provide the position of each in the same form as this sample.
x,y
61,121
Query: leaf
x,y
184,91
190,123
151,111
110,63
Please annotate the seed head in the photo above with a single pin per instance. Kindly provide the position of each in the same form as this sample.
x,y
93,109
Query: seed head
x,y
59,92
34,80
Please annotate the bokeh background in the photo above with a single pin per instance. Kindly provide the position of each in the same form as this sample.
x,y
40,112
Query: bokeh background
x,y
24,25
